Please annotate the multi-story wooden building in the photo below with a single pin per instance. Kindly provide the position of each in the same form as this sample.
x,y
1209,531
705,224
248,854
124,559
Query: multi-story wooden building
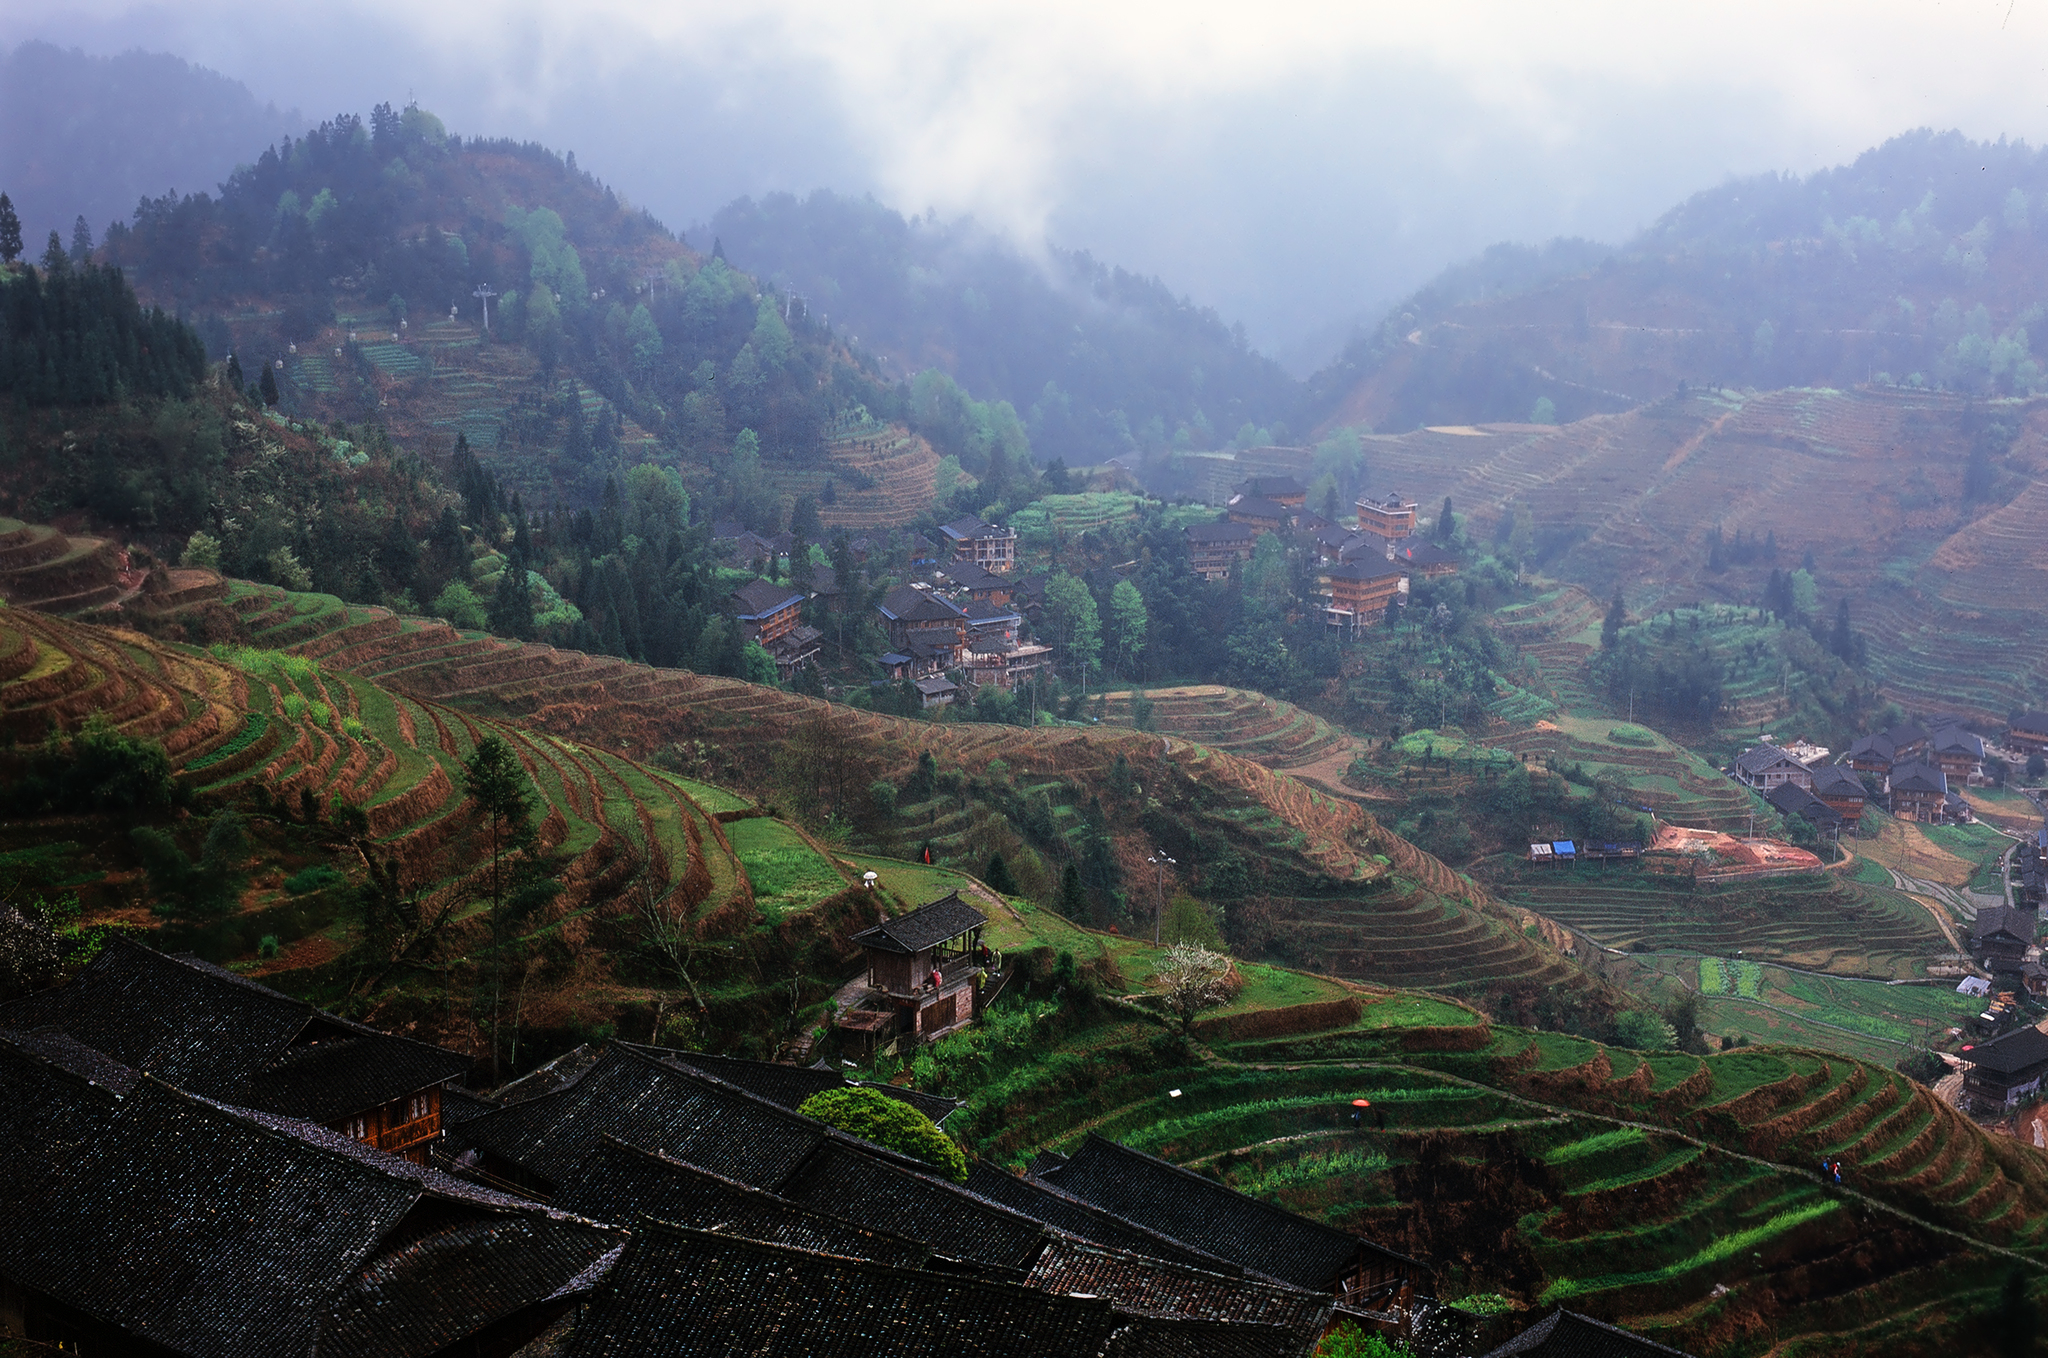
x,y
2027,733
924,624
925,972
1918,792
985,544
767,612
1281,490
1767,766
220,1036
2005,1071
1389,516
1261,516
1839,787
1959,754
1361,591
1213,548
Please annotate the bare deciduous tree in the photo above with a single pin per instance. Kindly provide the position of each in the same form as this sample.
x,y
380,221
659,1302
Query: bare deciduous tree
x,y
1195,979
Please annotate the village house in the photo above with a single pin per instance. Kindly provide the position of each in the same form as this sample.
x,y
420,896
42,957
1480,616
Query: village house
x,y
1213,548
1871,754
979,585
1840,788
936,691
1261,516
1281,490
215,1034
772,615
1425,559
1999,938
2027,733
1918,792
984,544
1767,766
1005,664
1361,591
1388,516
1793,800
1959,754
924,624
925,973
1567,1334
2006,1071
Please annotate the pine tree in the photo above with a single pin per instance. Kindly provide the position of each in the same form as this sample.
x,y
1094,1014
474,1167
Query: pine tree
x,y
81,242
512,606
998,876
1840,641
266,386
10,231
56,263
235,378
1611,625
1073,901
1446,524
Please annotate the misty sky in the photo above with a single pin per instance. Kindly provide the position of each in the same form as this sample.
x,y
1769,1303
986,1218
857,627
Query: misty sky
x,y
1297,166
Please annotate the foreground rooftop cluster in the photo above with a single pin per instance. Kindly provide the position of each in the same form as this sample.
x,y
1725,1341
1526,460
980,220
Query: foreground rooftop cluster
x,y
192,1166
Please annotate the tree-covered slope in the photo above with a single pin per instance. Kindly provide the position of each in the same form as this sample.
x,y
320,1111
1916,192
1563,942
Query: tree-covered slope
x,y
1098,361
1919,262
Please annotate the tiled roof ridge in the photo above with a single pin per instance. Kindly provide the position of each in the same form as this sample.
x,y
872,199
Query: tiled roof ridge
x,y
1270,1209
1225,1268
749,1190
11,1043
1239,1276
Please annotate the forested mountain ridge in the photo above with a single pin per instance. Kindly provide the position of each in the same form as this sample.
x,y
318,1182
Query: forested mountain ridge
x,y
1916,264
1098,361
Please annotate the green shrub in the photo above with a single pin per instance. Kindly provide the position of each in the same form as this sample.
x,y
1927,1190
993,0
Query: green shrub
x,y
1483,1304
306,881
267,949
295,706
96,770
323,715
1349,1341
1630,735
1643,1032
459,604
890,1123
1312,1169
353,728
202,889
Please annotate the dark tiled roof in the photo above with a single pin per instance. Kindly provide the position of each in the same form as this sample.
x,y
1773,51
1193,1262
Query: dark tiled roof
x,y
1567,1334
1219,532
1996,919
1917,777
882,1192
983,613
1200,1212
1084,1220
969,575
905,604
1271,487
2020,1049
69,1054
1907,733
1182,1337
789,1086
1955,740
925,927
219,1035
2034,723
1152,1287
1253,507
1877,748
1423,554
680,1293
968,528
618,1183
210,1230
1795,800
1764,757
1370,567
652,1104
759,598
1838,780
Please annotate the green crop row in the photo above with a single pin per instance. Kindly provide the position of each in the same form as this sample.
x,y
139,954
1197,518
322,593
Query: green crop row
x,y
1719,1251
254,724
1310,1170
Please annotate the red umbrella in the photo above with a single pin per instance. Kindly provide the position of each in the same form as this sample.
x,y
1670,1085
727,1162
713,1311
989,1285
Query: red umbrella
x,y
1361,1103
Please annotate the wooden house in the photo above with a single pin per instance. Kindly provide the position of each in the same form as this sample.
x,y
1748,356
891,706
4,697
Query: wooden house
x,y
1376,1284
2027,733
221,1036
1261,516
1767,766
1213,548
925,972
1388,516
1361,591
981,586
1918,792
936,690
2005,1071
1425,559
1959,754
1999,938
1840,788
986,545
766,612
1871,754
1281,490
918,618
1791,799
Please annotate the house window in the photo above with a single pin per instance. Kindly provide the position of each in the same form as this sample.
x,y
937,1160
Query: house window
x,y
359,1128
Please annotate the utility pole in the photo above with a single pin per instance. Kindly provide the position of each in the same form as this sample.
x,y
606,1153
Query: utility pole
x,y
484,294
1159,860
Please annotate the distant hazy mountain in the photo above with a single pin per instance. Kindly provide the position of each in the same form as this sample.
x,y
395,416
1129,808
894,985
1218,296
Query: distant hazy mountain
x,y
91,135
1096,360
1924,261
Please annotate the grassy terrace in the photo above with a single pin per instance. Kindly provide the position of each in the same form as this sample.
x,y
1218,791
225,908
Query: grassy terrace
x,y
786,873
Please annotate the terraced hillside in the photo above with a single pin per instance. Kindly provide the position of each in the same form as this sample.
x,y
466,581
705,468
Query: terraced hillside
x,y
255,726
1671,1193
1870,481
1822,922
1267,731
1345,894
